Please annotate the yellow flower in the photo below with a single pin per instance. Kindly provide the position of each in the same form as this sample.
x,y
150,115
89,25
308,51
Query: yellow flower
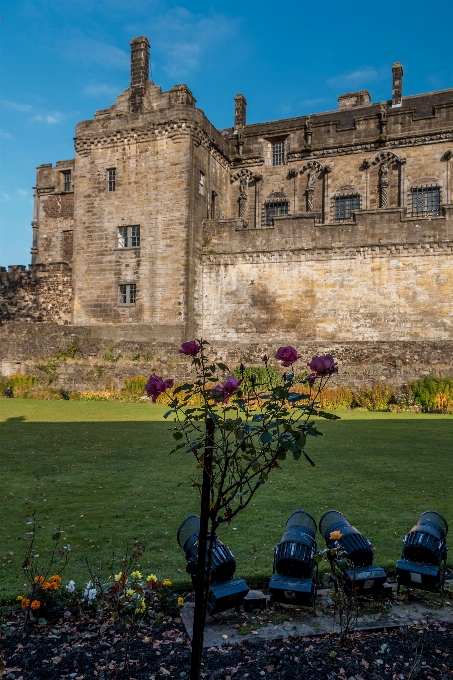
x,y
151,577
118,576
136,574
180,601
20,597
130,592
141,608
35,604
335,535
167,582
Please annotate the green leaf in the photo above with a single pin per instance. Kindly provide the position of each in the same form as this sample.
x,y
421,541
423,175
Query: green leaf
x,y
318,558
173,410
223,367
42,621
266,437
177,435
281,455
312,462
294,396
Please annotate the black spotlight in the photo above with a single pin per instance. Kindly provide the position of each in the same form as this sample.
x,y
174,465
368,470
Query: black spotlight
x,y
9,394
294,562
65,395
424,551
362,575
225,592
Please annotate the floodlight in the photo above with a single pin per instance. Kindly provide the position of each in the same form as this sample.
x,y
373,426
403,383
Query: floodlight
x,y
424,550
294,562
363,576
225,591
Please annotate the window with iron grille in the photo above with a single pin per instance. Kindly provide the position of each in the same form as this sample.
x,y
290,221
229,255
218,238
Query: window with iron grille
x,y
66,180
425,201
112,179
278,153
129,237
275,208
201,183
344,205
127,294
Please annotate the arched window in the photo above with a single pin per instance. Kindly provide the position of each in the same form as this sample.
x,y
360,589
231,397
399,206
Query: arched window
x,y
276,204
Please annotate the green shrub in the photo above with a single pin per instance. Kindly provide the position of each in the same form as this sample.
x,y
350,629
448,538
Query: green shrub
x,y
433,393
378,398
262,376
22,380
337,398
135,385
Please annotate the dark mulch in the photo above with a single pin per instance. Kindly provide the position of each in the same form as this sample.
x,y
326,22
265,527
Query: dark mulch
x,y
84,649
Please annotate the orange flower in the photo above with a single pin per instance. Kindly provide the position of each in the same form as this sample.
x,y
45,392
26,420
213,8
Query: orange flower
x,y
25,602
39,579
46,585
53,585
56,578
35,604
335,535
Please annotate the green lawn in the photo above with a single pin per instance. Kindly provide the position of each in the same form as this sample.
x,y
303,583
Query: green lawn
x,y
103,471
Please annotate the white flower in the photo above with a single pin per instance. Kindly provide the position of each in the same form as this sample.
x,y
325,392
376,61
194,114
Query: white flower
x,y
71,587
89,593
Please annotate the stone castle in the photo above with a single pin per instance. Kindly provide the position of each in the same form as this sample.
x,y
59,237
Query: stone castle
x,y
334,230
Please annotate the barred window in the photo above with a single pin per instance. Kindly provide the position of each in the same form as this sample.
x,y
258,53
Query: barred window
x,y
278,153
201,183
66,180
127,294
129,237
112,179
275,208
344,206
425,201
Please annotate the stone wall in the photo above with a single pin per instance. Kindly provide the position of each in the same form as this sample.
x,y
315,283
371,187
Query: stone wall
x,y
108,355
41,293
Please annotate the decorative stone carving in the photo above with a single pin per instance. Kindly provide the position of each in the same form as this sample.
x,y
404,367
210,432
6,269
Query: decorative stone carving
x,y
244,176
240,141
308,133
310,192
384,184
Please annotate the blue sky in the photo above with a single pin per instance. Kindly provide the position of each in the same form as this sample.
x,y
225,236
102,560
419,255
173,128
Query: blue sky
x,y
63,59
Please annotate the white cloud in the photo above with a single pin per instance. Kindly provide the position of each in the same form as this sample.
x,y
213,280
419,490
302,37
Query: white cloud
x,y
23,193
356,78
5,135
49,118
97,90
182,37
83,49
4,196
22,108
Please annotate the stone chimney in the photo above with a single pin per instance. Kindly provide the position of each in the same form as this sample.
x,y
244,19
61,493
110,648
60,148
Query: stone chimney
x,y
353,99
397,87
139,71
240,111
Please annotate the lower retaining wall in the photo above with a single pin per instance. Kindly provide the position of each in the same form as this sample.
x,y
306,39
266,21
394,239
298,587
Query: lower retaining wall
x,y
84,357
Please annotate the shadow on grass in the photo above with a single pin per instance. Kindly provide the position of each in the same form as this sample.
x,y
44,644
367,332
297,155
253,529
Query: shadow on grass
x,y
109,483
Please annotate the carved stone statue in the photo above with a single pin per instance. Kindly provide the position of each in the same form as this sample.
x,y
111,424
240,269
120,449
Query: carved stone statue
x,y
243,193
311,183
383,112
240,141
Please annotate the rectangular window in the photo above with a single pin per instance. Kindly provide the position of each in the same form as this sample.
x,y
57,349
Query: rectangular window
x,y
129,237
275,208
66,180
278,153
425,201
201,184
111,179
343,207
127,294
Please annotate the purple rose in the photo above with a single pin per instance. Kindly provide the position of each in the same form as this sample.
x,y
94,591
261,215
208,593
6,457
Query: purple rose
x,y
265,359
190,348
324,365
226,390
287,355
311,378
156,385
